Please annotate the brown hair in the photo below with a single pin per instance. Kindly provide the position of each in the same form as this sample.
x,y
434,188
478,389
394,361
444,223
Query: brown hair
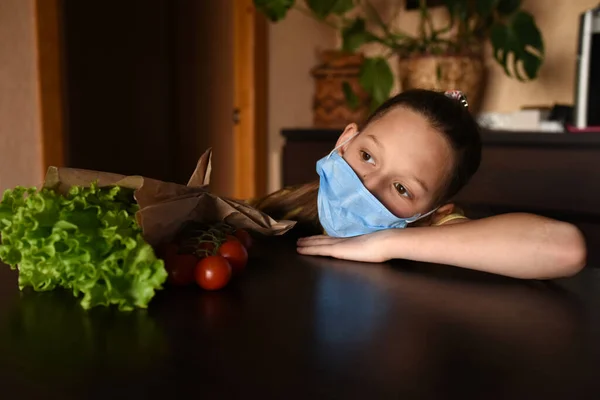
x,y
298,203
445,114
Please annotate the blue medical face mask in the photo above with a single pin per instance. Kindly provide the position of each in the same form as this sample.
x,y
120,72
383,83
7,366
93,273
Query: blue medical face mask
x,y
346,207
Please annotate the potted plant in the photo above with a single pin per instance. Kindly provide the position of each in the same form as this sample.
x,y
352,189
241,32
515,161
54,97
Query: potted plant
x,y
436,57
450,56
341,85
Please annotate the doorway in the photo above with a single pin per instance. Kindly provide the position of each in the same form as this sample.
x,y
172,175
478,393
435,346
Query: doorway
x,y
146,86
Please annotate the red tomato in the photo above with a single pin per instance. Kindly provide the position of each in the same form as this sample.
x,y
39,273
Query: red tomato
x,y
213,273
235,253
244,237
180,268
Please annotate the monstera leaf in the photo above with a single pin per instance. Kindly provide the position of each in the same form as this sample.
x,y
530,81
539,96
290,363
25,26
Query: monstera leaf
x,y
515,37
518,35
275,10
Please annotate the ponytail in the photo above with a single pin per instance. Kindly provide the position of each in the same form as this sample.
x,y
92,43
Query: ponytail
x,y
298,203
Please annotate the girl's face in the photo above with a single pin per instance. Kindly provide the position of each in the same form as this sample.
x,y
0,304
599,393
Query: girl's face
x,y
401,159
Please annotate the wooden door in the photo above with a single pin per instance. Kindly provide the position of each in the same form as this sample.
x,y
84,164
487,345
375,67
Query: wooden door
x,y
179,103
250,100
51,82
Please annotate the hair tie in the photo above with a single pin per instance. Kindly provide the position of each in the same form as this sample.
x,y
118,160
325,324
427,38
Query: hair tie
x,y
458,96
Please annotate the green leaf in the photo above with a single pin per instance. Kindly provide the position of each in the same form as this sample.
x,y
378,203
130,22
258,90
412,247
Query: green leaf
x,y
507,7
324,8
355,35
341,7
486,7
499,41
275,10
87,242
531,64
377,79
351,97
458,9
520,37
525,27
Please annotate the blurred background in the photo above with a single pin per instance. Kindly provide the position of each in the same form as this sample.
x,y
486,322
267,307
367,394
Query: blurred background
x,y
146,86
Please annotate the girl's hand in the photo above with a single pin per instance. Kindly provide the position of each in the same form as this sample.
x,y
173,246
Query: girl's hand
x,y
366,248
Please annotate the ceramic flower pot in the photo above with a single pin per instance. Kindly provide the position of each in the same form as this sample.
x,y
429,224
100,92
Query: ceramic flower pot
x,y
330,106
464,73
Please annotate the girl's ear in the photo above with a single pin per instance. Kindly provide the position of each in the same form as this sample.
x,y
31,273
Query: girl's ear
x,y
445,210
350,131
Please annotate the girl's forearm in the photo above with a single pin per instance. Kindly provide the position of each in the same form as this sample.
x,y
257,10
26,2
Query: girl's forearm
x,y
516,245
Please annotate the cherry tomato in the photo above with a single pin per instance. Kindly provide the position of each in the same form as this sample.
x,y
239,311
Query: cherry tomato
x,y
244,237
180,267
235,253
213,272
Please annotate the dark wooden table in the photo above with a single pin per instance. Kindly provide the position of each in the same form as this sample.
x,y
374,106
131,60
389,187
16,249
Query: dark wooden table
x,y
305,328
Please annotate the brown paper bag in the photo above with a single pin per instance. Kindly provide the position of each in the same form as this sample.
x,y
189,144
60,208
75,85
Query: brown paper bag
x,y
165,207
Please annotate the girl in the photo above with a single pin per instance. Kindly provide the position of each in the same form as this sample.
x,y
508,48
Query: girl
x,y
400,170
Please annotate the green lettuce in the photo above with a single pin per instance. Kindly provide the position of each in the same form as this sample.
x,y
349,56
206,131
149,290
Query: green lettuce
x,y
87,241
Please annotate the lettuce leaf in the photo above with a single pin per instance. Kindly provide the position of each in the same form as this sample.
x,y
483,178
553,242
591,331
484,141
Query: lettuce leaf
x,y
87,241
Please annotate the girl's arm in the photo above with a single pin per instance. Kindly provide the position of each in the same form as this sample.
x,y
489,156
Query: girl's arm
x,y
516,245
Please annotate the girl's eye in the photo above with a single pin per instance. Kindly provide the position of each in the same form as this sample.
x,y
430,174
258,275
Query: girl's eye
x,y
366,157
401,190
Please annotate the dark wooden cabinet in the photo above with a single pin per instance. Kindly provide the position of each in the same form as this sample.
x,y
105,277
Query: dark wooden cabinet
x,y
303,148
557,175
545,172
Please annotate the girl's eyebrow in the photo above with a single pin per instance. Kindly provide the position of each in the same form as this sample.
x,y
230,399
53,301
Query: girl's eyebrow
x,y
420,183
375,140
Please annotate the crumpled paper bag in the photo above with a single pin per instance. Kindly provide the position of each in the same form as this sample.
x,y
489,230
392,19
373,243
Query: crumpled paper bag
x,y
166,207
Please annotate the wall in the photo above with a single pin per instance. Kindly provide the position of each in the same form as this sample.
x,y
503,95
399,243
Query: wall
x,y
20,149
294,41
293,47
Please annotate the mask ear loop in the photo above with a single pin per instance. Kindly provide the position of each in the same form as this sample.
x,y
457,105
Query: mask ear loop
x,y
419,216
343,144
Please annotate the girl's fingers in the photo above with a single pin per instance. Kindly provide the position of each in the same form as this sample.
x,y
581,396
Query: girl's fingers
x,y
308,238
317,241
322,250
